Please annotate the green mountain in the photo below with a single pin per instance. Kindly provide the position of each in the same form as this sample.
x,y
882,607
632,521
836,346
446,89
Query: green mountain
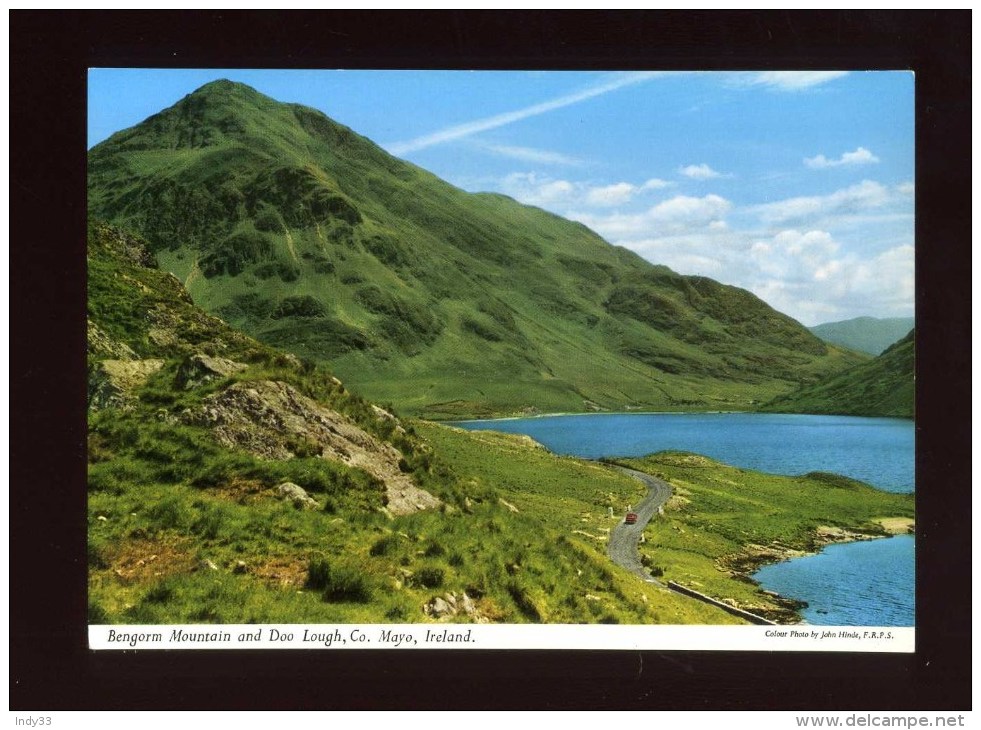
x,y
311,238
881,387
865,334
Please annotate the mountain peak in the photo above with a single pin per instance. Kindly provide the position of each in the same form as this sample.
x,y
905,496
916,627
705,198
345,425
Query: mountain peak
x,y
225,87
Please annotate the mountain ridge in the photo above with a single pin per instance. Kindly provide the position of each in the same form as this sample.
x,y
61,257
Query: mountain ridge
x,y
870,335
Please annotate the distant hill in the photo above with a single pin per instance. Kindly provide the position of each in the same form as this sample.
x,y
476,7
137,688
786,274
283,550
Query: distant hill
x,y
865,334
313,239
884,386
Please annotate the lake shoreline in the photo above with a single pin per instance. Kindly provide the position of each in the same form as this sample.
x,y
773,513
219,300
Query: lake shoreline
x,y
743,566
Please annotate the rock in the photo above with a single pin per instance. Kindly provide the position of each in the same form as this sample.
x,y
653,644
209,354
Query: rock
x,y
467,604
273,420
382,413
297,494
207,565
507,504
111,382
162,337
438,608
200,369
240,568
130,247
101,345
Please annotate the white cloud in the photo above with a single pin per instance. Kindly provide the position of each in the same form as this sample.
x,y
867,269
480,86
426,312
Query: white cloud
x,y
678,215
806,273
861,156
788,80
561,196
699,172
854,199
530,154
813,279
610,195
906,188
459,131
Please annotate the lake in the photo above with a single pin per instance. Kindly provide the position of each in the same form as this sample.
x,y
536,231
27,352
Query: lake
x,y
868,583
878,451
856,583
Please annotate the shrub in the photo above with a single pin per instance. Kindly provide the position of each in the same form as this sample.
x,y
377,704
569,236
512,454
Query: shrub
x,y
299,306
347,585
288,272
236,252
339,583
383,546
160,593
169,513
318,574
268,219
209,525
429,577
246,306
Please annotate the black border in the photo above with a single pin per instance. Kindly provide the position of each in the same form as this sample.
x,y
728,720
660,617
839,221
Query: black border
x,y
50,666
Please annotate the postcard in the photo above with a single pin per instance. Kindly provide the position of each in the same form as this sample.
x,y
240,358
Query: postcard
x,y
501,360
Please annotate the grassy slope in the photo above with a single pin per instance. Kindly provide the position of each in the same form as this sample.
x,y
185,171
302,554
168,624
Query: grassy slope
x,y
167,502
865,334
442,302
720,515
884,386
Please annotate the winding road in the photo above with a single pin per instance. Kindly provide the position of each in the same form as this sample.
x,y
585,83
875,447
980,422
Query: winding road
x,y
624,538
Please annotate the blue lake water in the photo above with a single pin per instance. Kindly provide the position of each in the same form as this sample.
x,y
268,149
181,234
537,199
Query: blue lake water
x,y
878,451
869,583
851,584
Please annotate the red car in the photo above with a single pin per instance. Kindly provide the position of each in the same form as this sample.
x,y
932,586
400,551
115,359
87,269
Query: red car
x,y
631,518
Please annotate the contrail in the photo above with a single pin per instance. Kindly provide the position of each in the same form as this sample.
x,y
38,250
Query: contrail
x,y
499,120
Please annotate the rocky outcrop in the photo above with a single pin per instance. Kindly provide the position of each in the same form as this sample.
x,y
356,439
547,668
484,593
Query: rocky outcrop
x,y
200,369
450,605
275,421
112,382
297,495
128,247
101,345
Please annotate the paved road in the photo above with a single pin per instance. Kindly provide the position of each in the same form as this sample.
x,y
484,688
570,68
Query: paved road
x,y
622,548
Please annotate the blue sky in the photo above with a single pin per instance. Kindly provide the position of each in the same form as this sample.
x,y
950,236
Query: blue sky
x,y
795,186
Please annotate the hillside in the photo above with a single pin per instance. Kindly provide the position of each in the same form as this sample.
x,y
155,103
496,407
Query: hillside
x,y
865,334
884,386
311,238
232,483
